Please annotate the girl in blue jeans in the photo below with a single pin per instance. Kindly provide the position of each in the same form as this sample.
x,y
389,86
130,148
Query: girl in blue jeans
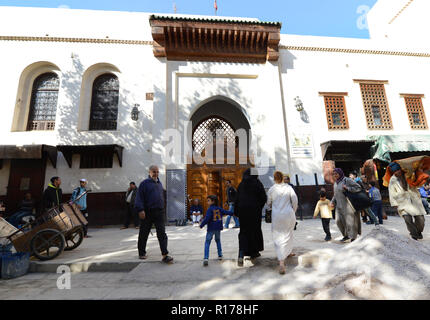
x,y
213,219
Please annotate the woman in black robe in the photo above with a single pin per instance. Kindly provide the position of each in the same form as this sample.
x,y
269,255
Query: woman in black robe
x,y
250,200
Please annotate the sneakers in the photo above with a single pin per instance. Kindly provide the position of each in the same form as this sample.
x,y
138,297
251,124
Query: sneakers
x,y
220,258
327,238
167,259
143,257
205,263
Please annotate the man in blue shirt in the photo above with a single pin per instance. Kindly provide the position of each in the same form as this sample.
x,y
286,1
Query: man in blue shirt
x,y
149,204
425,194
82,202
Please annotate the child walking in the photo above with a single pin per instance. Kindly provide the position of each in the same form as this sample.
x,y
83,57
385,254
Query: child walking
x,y
213,219
323,207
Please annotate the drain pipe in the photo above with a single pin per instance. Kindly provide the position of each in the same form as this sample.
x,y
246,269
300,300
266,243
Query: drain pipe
x,y
284,115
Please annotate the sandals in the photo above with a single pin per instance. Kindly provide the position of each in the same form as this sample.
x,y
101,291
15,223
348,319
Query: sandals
x,y
282,270
167,259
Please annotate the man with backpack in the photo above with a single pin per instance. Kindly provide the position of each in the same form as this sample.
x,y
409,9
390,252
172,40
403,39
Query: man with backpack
x,y
82,202
368,211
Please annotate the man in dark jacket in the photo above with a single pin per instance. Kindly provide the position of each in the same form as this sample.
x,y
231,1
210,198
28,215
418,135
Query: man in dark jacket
x,y
52,195
150,206
130,198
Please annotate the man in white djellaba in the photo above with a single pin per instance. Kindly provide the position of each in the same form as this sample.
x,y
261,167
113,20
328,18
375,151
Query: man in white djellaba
x,y
283,201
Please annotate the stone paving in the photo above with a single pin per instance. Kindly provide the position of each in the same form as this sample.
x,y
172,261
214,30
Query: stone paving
x,y
115,272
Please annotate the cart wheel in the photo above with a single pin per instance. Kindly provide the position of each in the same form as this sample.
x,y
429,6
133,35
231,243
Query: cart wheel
x,y
47,244
74,239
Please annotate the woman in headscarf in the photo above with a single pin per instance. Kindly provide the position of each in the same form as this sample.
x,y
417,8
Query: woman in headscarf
x,y
283,200
250,200
347,218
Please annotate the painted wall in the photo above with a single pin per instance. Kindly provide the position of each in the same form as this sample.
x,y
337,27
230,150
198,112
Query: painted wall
x,y
404,20
263,91
306,73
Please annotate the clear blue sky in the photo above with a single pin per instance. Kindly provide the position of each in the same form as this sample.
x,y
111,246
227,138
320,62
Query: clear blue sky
x,y
337,18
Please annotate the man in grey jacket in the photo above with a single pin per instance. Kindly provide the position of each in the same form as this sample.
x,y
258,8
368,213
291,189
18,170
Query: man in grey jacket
x,y
131,213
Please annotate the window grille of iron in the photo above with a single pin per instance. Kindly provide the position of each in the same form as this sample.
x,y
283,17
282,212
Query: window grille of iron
x,y
43,106
104,103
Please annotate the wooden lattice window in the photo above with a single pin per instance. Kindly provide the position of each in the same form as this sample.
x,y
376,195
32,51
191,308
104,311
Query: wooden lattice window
x,y
207,131
376,106
96,160
104,103
43,105
336,112
416,115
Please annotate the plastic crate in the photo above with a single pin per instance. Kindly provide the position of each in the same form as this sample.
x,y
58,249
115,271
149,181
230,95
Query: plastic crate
x,y
14,265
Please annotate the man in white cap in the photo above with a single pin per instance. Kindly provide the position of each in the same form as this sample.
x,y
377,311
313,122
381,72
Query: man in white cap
x,y
82,202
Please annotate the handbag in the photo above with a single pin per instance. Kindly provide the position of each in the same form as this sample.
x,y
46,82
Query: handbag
x,y
268,216
359,200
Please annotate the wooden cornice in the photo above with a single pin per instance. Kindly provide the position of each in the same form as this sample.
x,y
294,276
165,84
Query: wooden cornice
x,y
215,40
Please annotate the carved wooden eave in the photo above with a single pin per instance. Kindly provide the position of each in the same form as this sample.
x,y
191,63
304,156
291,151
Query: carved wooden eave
x,y
195,39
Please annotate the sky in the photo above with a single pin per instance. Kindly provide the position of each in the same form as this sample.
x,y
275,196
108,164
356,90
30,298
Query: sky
x,y
333,18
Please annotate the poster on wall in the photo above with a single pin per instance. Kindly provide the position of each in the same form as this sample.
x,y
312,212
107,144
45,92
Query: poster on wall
x,y
301,144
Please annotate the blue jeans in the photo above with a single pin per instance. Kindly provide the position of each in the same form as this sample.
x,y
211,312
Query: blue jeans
x,y
377,210
371,215
209,236
227,221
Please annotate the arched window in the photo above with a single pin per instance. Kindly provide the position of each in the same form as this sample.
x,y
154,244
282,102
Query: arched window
x,y
208,128
104,103
43,106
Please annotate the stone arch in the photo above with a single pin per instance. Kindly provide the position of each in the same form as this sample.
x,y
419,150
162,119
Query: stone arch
x,y
25,86
85,96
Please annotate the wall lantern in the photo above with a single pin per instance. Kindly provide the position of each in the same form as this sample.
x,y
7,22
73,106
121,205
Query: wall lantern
x,y
299,104
135,113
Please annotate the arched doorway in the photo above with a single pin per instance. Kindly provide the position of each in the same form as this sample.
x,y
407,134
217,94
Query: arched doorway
x,y
217,116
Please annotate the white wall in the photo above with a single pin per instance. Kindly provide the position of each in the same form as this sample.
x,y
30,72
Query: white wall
x,y
403,20
306,73
255,87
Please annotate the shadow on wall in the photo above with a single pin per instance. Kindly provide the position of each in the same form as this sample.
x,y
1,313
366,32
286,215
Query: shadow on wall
x,y
135,137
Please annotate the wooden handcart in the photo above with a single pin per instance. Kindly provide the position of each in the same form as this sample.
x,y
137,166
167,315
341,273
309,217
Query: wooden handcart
x,y
59,229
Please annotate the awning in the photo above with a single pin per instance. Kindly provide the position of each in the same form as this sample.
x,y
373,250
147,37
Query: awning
x,y
386,145
109,149
344,150
36,151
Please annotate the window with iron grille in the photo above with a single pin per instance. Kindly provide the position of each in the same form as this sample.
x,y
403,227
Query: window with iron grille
x,y
336,112
93,160
205,133
376,106
416,115
104,103
43,105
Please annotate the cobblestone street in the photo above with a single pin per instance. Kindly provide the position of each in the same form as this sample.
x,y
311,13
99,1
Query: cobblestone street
x,y
106,267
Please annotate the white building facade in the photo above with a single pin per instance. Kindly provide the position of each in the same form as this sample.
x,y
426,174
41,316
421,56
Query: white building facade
x,y
71,79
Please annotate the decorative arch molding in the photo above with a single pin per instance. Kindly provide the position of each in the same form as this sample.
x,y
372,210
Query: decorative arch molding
x,y
220,98
25,87
91,74
223,108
